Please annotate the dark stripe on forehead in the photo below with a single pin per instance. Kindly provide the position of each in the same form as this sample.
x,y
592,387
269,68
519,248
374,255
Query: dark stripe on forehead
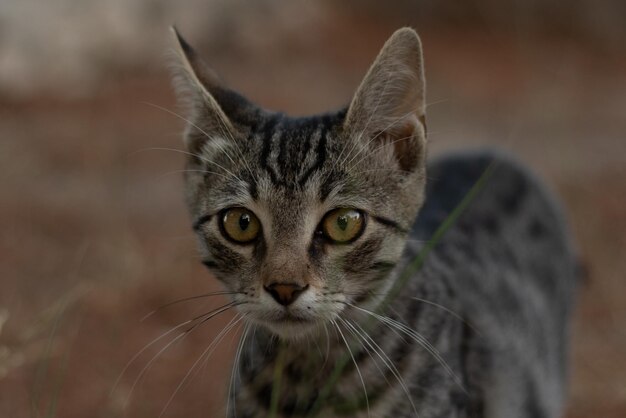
x,y
267,131
288,152
282,162
320,158
328,185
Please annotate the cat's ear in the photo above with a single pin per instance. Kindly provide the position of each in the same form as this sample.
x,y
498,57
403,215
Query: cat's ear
x,y
207,102
388,107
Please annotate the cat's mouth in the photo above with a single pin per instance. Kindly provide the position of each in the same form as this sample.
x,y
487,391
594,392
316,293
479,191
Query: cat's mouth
x,y
288,317
289,325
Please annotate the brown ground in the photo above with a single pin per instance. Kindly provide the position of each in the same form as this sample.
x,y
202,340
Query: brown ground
x,y
94,234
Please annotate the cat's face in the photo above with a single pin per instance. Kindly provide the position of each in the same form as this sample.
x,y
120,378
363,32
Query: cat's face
x,y
302,217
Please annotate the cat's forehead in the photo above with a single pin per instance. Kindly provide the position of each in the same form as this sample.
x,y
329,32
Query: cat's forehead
x,y
296,154
289,169
293,134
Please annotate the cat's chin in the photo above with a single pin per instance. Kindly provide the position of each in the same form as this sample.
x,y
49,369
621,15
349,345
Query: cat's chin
x,y
293,329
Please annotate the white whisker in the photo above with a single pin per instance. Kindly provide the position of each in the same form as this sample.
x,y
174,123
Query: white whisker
x,y
369,120
199,320
400,119
148,365
387,362
234,372
374,150
169,173
367,347
145,347
451,312
207,352
224,131
358,370
417,337
206,160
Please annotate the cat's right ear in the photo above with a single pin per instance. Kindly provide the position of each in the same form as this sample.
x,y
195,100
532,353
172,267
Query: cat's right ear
x,y
198,90
388,109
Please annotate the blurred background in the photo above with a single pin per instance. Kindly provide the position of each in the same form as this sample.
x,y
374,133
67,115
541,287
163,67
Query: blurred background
x,y
93,231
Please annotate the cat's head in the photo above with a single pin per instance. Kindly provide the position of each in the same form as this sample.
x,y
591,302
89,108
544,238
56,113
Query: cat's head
x,y
300,216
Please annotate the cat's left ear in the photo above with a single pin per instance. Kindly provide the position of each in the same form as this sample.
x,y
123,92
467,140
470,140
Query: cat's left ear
x,y
388,108
212,109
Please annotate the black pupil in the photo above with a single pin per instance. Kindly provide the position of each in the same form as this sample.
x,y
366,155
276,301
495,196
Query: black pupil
x,y
342,222
244,221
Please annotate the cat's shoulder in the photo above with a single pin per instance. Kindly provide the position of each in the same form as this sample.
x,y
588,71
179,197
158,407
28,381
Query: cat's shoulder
x,y
488,184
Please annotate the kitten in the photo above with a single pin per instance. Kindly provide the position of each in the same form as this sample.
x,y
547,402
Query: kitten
x,y
366,290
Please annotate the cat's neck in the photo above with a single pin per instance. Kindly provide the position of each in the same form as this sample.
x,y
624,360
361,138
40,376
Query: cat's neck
x,y
323,364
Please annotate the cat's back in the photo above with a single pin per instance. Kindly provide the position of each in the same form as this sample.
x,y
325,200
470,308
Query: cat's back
x,y
509,263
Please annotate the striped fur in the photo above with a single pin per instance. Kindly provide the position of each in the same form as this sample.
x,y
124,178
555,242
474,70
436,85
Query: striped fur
x,y
479,330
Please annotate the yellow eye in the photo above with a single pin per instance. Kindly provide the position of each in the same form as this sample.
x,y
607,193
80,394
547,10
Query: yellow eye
x,y
240,225
343,225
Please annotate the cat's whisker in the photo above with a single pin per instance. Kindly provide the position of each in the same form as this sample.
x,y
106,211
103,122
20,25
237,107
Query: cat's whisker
x,y
391,170
206,354
146,347
253,338
450,311
359,338
386,361
200,157
373,151
327,346
206,359
224,124
180,151
316,343
199,320
391,366
436,102
366,147
356,365
428,302
169,173
234,372
189,298
417,337
418,241
224,129
369,120
148,365
171,112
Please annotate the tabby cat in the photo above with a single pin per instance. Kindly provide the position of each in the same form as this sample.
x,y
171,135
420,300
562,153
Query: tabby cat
x,y
371,283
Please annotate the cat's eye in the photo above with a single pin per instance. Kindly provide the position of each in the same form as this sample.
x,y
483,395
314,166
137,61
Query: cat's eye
x,y
343,225
239,225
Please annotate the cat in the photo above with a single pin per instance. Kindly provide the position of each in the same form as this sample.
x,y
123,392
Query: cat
x,y
372,282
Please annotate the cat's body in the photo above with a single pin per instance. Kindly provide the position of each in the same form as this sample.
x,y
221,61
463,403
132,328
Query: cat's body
x,y
311,224
505,270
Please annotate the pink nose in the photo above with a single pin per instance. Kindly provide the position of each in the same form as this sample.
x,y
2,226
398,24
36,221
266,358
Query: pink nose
x,y
285,293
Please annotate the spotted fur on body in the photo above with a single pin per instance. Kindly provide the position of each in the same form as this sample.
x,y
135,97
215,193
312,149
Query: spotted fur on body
x,y
478,330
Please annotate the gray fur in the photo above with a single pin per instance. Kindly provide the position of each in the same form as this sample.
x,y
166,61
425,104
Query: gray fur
x,y
485,317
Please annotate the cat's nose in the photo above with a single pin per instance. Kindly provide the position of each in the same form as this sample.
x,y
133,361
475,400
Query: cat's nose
x,y
285,293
